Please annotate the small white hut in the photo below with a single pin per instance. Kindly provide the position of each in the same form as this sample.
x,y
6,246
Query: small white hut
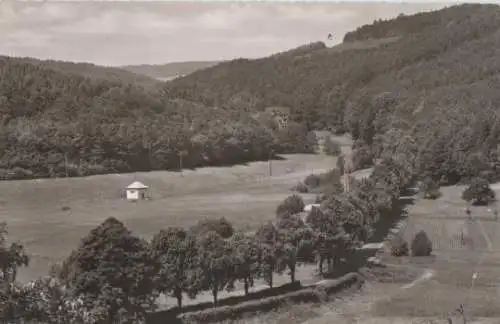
x,y
136,191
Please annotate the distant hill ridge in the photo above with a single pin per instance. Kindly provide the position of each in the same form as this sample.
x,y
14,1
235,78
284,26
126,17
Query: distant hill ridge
x,y
169,70
88,70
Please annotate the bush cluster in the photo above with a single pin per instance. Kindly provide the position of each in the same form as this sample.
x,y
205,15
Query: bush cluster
x,y
310,294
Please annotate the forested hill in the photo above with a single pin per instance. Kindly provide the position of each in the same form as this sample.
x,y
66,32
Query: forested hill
x,y
169,70
91,71
429,96
56,122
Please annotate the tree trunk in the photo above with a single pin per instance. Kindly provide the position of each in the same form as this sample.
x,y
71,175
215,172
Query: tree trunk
x,y
178,295
320,266
215,293
246,286
292,273
270,279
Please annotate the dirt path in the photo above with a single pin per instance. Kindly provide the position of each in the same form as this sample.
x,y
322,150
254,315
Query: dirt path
x,y
355,308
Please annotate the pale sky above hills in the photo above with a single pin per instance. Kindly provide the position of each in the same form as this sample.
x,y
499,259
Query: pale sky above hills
x,y
139,32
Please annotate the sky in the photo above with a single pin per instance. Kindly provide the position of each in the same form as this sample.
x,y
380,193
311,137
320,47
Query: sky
x,y
139,32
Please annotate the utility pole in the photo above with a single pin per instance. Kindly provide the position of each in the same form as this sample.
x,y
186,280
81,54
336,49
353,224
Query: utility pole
x,y
270,163
66,164
347,172
181,154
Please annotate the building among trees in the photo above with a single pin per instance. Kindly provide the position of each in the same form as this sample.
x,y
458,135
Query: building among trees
x,y
280,115
137,191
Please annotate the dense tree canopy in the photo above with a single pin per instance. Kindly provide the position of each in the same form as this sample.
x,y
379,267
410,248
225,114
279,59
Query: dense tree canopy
x,y
63,119
427,97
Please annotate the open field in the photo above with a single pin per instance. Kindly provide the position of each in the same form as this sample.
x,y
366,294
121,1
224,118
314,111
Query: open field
x,y
359,45
245,195
455,261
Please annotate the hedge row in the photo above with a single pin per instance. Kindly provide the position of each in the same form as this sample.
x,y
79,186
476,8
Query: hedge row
x,y
315,293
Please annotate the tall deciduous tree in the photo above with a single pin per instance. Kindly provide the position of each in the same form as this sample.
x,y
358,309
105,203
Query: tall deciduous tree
x,y
174,250
290,205
328,236
272,252
113,273
246,259
214,264
297,241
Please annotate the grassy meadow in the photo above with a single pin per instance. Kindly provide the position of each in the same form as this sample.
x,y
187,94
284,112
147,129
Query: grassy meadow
x,y
50,216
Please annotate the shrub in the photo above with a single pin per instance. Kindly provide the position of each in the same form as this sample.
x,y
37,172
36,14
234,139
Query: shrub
x,y
316,293
421,245
291,205
321,293
220,314
362,157
399,247
333,286
312,181
221,226
332,147
319,199
331,176
430,189
341,164
479,192
301,187
432,194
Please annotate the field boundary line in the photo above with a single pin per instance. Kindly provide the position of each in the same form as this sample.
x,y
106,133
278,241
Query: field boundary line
x,y
485,235
425,276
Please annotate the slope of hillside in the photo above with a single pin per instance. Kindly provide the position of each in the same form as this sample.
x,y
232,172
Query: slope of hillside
x,y
170,70
56,123
90,71
422,97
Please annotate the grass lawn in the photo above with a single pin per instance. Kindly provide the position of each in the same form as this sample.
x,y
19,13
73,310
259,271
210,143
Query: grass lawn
x,y
455,261
244,194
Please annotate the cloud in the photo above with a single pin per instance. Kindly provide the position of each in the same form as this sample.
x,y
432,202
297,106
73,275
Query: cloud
x,y
136,32
29,39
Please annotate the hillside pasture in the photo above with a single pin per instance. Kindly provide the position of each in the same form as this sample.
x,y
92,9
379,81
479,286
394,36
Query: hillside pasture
x,y
454,261
50,216
361,45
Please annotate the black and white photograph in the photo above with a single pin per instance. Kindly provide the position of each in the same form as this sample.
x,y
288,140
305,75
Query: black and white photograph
x,y
247,162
